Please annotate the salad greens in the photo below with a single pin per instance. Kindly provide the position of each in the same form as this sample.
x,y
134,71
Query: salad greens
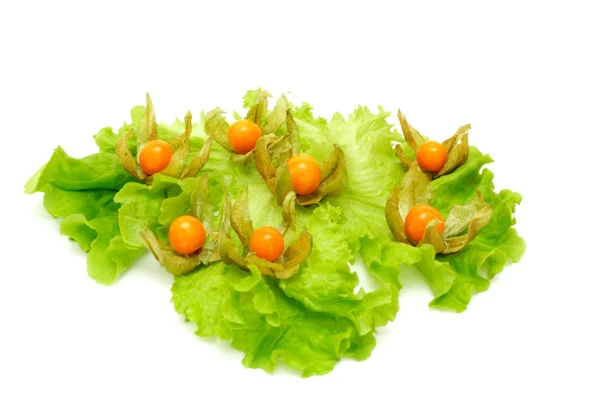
x,y
307,309
297,248
462,225
82,191
457,147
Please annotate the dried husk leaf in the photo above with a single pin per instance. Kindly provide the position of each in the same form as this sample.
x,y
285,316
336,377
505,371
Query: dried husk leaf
x,y
411,135
293,131
433,237
334,178
477,222
269,148
177,141
288,212
403,157
240,219
275,119
297,251
175,263
147,129
230,254
457,148
217,127
200,205
278,145
198,161
283,185
261,263
414,190
181,145
294,255
243,158
126,159
264,160
460,216
259,109
287,273
393,217
210,252
332,162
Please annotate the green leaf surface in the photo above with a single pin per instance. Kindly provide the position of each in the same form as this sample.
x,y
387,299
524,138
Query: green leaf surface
x,y
265,324
91,220
319,313
153,205
97,171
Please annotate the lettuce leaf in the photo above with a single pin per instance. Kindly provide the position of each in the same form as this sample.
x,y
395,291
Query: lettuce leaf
x,y
373,169
106,138
321,314
81,192
326,284
496,245
323,291
90,218
260,320
455,277
97,171
154,206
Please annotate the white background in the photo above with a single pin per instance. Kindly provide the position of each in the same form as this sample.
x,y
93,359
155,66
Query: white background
x,y
524,74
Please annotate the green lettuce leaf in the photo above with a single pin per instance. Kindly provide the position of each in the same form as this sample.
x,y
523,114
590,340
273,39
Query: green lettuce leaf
x,y
106,138
454,278
496,245
81,192
154,206
90,218
97,171
109,256
326,284
265,324
373,169
321,314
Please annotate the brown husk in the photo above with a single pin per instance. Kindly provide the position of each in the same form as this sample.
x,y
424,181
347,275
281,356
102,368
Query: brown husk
x,y
178,264
414,190
457,147
287,265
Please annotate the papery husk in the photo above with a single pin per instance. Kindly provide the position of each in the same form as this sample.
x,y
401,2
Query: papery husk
x,y
178,264
257,112
126,159
457,147
268,147
334,179
289,262
198,161
147,131
414,190
147,128
181,149
475,219
217,127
